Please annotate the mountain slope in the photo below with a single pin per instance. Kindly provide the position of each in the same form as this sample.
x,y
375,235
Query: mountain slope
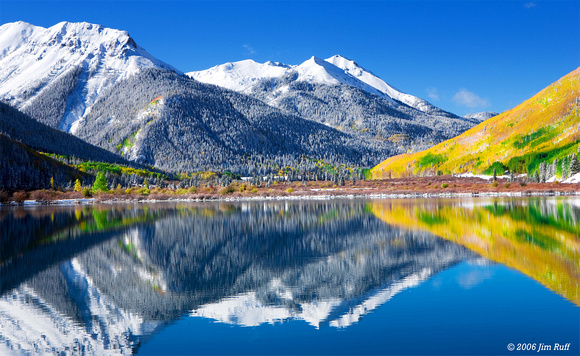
x,y
56,74
544,127
22,164
356,111
353,69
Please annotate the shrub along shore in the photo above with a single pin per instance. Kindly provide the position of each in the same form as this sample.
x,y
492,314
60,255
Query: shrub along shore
x,y
410,187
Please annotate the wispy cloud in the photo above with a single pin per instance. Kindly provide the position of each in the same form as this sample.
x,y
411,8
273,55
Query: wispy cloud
x,y
433,94
476,276
529,5
471,100
249,49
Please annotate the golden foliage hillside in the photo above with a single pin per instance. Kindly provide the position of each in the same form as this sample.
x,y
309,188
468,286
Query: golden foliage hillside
x,y
545,127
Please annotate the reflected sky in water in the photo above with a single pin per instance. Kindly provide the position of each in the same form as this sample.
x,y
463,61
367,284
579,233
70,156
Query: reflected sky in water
x,y
323,277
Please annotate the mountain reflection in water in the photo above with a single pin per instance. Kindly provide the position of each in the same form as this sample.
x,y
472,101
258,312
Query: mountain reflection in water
x,y
106,278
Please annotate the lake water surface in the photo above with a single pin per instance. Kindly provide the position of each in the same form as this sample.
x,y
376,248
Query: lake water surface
x,y
437,276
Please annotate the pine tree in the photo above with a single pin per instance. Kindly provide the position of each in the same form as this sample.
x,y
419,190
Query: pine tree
x,y
100,183
574,166
78,186
543,172
564,170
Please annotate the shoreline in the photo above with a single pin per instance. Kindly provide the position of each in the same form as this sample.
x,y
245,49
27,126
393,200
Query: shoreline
x,y
147,200
397,188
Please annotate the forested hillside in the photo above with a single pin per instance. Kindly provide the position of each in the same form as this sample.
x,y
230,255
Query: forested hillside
x,y
22,168
33,154
40,137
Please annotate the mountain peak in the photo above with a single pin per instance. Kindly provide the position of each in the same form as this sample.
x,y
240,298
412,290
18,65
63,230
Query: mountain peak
x,y
320,71
16,24
35,61
337,60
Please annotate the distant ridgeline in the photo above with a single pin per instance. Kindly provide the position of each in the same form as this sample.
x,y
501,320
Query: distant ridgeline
x,y
540,137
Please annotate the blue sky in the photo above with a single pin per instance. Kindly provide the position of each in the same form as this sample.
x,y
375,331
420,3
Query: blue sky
x,y
463,56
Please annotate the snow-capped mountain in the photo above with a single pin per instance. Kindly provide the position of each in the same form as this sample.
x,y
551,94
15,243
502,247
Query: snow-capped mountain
x,y
65,67
242,75
339,93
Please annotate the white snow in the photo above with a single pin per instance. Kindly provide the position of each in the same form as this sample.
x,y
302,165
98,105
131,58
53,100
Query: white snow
x,y
481,116
242,75
32,57
486,177
573,179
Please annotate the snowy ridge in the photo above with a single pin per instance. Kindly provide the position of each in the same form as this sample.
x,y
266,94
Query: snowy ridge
x,y
248,310
33,57
352,68
241,76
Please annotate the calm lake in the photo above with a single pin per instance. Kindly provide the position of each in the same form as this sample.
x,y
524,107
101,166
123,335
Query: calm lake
x,y
437,276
